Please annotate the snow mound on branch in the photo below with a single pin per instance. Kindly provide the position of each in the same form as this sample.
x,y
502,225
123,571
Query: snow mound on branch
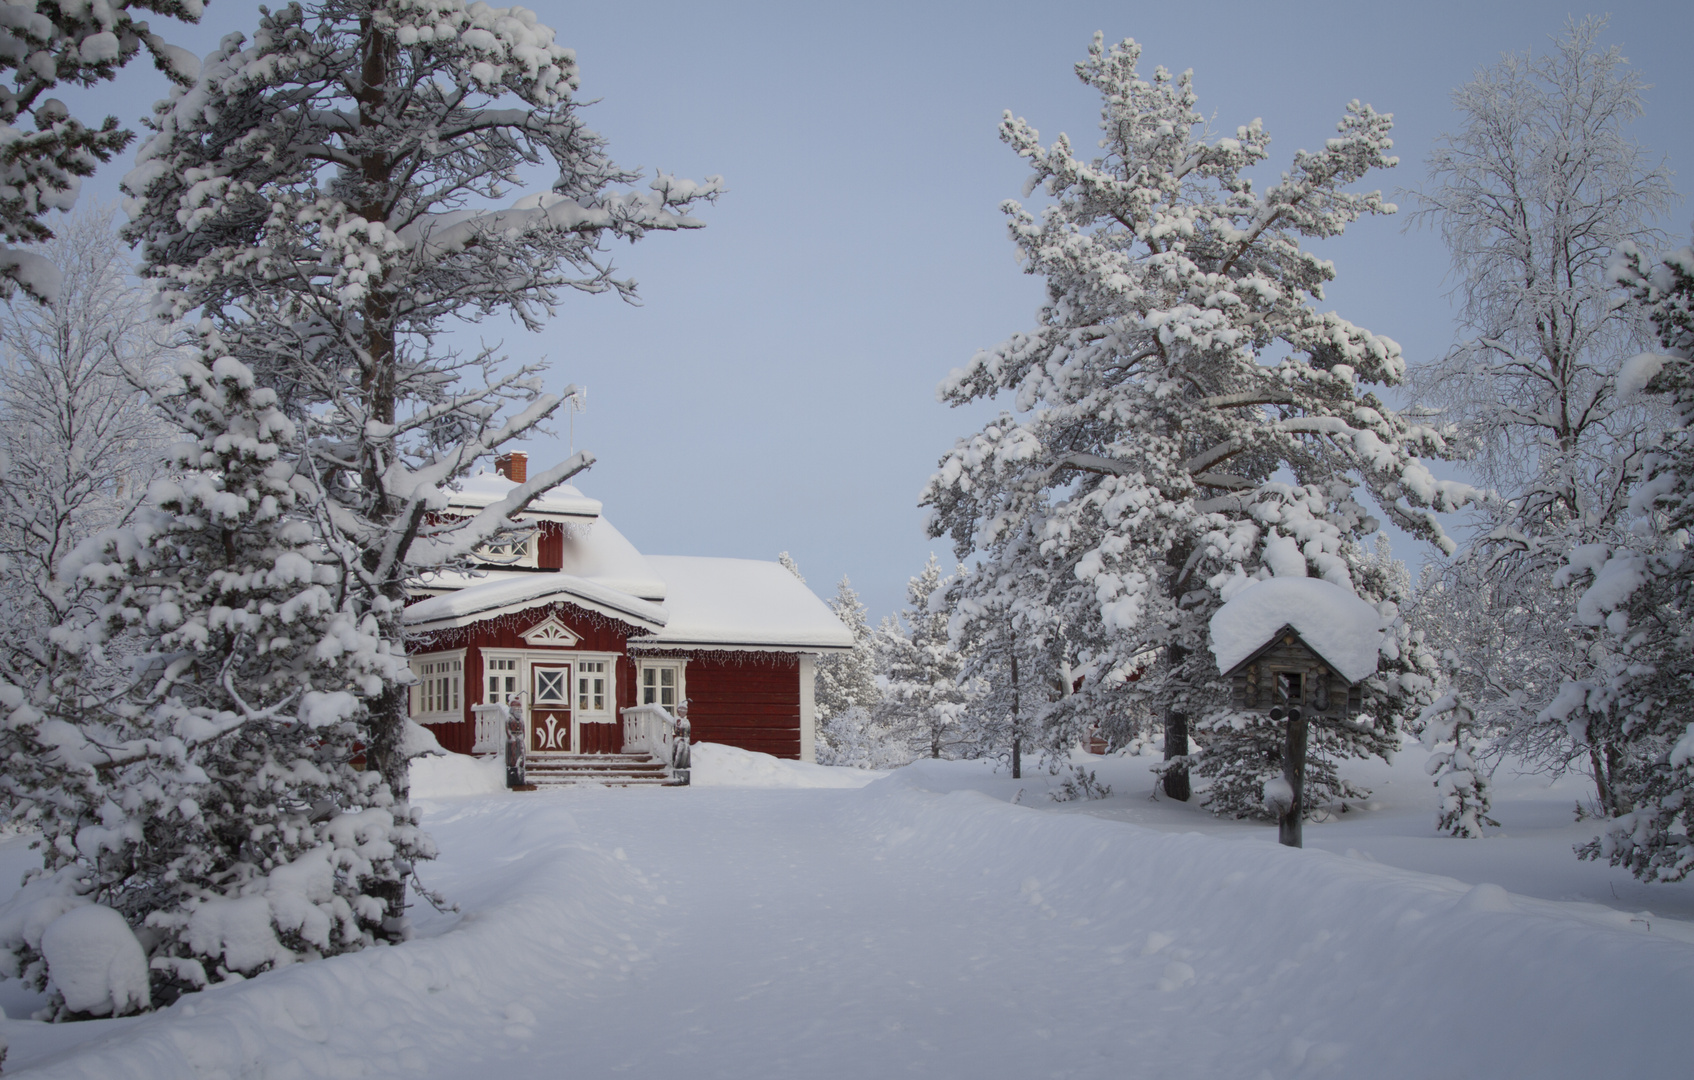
x,y
96,963
1339,627
715,765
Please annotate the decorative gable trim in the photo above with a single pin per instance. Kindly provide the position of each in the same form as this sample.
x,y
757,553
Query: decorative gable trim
x,y
550,632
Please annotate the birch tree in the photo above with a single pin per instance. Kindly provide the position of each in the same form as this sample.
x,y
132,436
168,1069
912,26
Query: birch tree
x,y
335,193
1532,194
1178,366
78,440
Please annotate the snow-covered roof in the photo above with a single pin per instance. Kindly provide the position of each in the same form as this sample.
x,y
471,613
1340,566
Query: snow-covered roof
x,y
510,593
741,603
1336,624
563,503
599,552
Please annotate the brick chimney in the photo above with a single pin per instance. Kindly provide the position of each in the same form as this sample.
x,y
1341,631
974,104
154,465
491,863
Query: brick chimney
x,y
513,466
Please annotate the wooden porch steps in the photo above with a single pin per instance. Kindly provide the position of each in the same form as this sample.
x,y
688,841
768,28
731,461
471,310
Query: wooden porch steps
x,y
611,770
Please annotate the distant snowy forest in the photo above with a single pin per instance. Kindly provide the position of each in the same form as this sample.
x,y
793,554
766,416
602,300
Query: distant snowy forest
x,y
225,464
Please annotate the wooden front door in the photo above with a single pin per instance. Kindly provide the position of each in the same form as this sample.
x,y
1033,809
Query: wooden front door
x,y
550,709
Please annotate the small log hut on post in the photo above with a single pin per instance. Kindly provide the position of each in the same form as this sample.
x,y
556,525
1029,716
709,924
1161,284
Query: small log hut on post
x,y
1299,648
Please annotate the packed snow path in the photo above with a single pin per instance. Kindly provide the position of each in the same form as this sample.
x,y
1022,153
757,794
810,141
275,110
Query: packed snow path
x,y
732,932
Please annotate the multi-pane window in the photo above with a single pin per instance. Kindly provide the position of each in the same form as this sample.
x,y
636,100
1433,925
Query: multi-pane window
x,y
501,675
511,552
553,686
591,686
438,687
659,684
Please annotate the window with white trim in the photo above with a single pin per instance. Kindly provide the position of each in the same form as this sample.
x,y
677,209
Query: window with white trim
x,y
590,686
552,687
436,697
500,676
661,684
515,551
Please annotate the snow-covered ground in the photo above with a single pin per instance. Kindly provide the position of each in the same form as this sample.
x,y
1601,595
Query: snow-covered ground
x,y
783,920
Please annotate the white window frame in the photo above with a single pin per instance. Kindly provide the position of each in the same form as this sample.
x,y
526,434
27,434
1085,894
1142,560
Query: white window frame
x,y
525,552
608,674
428,669
519,673
642,667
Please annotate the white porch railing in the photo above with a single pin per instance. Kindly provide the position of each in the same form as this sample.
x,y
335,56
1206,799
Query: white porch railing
x,y
651,729
490,729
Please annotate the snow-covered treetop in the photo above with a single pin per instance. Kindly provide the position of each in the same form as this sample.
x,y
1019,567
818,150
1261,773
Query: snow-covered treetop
x,y
331,192
44,43
1180,306
1341,628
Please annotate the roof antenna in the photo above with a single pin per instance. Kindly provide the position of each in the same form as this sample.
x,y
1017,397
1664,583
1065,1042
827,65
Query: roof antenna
x,y
578,397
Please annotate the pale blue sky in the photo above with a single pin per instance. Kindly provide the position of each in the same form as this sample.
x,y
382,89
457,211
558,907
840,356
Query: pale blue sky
x,y
776,388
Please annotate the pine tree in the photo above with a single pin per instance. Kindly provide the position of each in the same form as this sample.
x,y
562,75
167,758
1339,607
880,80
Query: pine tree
x,y
332,194
1449,733
1640,595
1014,655
196,773
1179,368
45,43
845,689
924,697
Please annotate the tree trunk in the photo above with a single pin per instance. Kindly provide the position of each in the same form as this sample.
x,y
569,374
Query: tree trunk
x,y
1288,827
1176,740
388,712
1017,730
1176,745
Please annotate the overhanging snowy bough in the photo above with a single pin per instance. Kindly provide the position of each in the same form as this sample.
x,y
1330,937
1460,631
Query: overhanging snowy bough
x,y
651,729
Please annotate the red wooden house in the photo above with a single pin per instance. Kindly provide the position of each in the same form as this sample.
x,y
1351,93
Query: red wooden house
x,y
578,626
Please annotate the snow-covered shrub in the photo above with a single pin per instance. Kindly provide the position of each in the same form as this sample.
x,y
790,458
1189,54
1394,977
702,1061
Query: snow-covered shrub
x,y
859,740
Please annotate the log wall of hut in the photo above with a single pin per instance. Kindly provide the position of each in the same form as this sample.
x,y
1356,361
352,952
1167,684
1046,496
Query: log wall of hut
x,y
1323,692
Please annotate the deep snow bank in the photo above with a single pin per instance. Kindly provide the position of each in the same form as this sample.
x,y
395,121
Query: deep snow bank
x,y
715,765
745,932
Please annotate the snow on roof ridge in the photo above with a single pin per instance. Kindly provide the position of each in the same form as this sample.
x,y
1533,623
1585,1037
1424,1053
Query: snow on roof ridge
x,y
529,590
1340,627
484,488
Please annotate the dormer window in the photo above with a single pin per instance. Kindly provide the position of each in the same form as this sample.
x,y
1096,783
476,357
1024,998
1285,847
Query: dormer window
x,y
510,552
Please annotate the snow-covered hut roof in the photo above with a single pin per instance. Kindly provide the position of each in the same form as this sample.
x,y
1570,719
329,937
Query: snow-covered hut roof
x,y
510,593
1334,623
741,604
563,503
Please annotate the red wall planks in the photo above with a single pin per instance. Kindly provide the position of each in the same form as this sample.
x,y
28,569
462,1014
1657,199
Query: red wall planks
x,y
750,700
745,699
